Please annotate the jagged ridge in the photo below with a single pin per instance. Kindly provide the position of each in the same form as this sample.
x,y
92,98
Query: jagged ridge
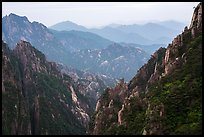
x,y
39,99
165,95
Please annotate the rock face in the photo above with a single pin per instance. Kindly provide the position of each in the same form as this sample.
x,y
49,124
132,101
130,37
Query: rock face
x,y
196,22
174,49
14,110
88,84
163,96
105,108
37,98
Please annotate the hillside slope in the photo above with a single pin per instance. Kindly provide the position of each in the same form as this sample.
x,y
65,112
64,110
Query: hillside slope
x,y
38,98
165,96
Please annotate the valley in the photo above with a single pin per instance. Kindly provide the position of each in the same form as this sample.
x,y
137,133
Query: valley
x,y
67,79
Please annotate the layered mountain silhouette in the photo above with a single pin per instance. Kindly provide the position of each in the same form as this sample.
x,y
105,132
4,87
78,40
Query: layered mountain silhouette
x,y
77,40
147,34
68,47
67,25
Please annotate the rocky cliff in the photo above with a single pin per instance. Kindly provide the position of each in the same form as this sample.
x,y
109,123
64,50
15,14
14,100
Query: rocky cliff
x,y
165,95
37,98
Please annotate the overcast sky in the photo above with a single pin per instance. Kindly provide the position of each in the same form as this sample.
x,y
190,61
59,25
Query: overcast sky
x,y
95,14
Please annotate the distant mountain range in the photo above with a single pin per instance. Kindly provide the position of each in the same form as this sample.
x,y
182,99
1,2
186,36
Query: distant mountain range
x,y
15,27
150,49
118,35
68,25
175,25
115,61
150,33
77,49
76,40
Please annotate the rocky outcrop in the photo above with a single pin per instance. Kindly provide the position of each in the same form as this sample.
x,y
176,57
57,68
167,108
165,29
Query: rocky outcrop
x,y
196,22
150,72
34,59
120,115
105,108
80,109
88,84
172,59
40,95
151,103
98,105
15,114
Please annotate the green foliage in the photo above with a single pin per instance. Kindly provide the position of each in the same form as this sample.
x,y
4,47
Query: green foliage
x,y
105,97
19,99
14,111
134,119
161,55
49,83
116,102
9,112
135,123
55,117
181,94
92,122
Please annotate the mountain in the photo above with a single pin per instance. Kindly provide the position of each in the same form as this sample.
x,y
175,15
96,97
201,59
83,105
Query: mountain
x,y
15,28
71,47
67,25
109,32
175,25
117,35
115,61
150,49
88,84
34,98
113,25
146,34
77,40
151,31
164,97
51,43
41,97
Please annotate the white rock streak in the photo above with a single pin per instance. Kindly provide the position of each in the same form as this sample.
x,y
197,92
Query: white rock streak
x,y
120,115
74,96
98,105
